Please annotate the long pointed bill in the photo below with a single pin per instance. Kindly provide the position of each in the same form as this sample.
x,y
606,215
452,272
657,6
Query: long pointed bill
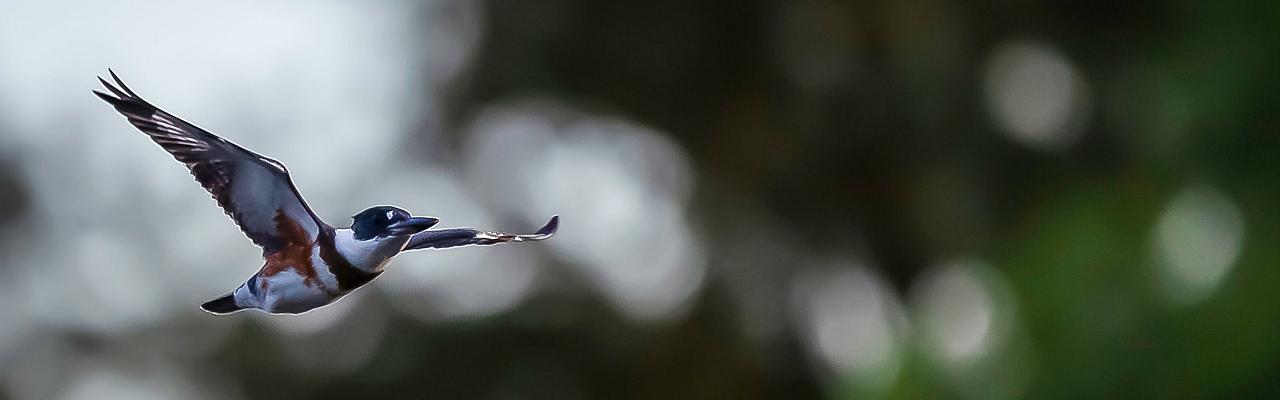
x,y
412,225
544,233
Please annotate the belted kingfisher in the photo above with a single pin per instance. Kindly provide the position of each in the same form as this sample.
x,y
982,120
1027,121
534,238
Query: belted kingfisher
x,y
309,264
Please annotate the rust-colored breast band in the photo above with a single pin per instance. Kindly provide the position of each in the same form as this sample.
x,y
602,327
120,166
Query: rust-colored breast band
x,y
295,253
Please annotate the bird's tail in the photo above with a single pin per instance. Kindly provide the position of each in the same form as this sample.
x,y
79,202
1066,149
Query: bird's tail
x,y
222,305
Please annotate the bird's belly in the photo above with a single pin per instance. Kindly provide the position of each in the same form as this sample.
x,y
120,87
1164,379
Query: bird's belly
x,y
297,283
290,292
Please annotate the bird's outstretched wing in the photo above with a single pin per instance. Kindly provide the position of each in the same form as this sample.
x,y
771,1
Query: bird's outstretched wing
x,y
445,238
253,190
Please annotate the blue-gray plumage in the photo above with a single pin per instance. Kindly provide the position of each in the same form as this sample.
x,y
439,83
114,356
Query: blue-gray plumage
x,y
308,263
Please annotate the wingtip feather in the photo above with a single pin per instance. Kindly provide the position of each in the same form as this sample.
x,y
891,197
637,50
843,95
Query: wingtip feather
x,y
121,83
106,97
111,87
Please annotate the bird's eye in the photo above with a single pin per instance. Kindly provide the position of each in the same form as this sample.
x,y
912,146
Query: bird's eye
x,y
391,215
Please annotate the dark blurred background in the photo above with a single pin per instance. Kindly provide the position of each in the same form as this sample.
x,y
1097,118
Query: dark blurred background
x,y
910,199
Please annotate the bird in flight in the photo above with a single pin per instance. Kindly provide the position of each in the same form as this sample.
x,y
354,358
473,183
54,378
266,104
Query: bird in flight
x,y
309,264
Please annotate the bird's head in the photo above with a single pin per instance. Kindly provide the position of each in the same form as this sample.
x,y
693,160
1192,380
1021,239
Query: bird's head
x,y
388,221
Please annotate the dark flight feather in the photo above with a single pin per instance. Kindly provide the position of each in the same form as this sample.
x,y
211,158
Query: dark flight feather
x,y
218,165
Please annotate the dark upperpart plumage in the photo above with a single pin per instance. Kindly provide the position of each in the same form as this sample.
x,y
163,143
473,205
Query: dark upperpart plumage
x,y
250,188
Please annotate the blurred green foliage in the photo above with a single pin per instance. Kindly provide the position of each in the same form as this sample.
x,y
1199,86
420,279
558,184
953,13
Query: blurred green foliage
x,y
897,149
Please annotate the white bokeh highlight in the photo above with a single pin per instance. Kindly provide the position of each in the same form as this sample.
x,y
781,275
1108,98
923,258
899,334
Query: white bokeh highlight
x,y
852,322
1197,240
962,313
622,190
1036,95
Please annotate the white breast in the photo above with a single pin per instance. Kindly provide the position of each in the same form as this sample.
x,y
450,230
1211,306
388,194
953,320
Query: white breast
x,y
322,270
368,255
